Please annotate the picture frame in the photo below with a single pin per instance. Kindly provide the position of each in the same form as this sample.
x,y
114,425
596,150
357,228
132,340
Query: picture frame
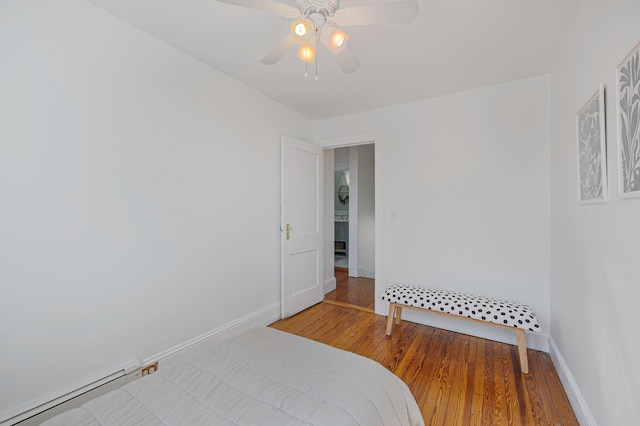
x,y
628,118
592,150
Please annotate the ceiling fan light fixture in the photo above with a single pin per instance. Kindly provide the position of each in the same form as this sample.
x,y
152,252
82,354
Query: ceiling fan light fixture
x,y
335,39
307,53
338,40
322,17
301,29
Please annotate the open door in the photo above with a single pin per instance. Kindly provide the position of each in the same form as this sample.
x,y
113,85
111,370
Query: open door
x,y
301,225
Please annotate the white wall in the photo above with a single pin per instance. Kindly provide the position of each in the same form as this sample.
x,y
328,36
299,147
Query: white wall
x,y
595,267
468,175
354,216
366,211
328,217
139,197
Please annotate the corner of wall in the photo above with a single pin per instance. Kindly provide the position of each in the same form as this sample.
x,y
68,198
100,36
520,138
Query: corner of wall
x,y
259,318
329,284
571,387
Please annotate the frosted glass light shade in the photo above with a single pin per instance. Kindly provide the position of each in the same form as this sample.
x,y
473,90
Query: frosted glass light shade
x,y
335,39
307,53
301,30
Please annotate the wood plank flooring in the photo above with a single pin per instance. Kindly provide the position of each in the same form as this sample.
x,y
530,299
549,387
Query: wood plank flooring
x,y
357,292
456,379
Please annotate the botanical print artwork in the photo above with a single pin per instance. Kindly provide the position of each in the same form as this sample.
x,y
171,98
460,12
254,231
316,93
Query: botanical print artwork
x,y
628,80
591,150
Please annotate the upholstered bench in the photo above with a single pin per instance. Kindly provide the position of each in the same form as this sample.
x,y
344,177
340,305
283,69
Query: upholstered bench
x,y
495,312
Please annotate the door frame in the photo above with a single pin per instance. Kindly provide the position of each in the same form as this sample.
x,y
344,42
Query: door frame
x,y
355,140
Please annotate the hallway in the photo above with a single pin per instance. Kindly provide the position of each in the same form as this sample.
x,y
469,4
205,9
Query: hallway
x,y
353,292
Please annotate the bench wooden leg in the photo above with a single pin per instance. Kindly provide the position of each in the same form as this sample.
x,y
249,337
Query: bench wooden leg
x,y
522,350
398,314
392,310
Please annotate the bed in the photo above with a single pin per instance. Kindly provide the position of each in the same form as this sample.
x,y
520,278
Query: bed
x,y
259,377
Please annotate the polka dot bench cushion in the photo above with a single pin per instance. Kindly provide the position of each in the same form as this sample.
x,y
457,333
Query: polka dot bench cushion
x,y
480,308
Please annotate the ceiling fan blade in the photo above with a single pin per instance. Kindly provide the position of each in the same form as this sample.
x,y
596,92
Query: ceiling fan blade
x,y
270,6
347,60
402,12
279,51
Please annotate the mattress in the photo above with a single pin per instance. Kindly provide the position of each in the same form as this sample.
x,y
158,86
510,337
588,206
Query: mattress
x,y
259,377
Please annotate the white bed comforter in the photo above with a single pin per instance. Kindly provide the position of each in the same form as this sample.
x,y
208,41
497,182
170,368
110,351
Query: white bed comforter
x,y
260,377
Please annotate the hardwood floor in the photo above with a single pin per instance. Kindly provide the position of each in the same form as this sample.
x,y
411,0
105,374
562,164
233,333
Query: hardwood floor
x,y
455,378
354,292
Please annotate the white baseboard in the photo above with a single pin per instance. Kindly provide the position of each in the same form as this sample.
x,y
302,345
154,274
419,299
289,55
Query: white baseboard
x,y
329,285
537,341
55,404
578,403
260,318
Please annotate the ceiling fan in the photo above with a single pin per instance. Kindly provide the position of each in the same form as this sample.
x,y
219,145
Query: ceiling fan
x,y
321,20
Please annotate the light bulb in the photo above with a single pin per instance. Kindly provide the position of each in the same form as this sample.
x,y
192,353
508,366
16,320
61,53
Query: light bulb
x,y
307,53
335,39
338,39
301,30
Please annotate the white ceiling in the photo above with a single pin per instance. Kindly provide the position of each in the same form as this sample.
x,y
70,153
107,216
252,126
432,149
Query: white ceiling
x,y
453,45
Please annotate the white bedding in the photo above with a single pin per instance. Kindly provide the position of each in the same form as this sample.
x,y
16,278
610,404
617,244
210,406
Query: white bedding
x,y
260,377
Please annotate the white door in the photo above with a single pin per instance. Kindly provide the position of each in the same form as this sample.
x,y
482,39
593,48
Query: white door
x,y
301,225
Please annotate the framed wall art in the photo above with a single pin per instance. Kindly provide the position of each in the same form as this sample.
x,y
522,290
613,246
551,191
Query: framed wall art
x,y
628,105
592,151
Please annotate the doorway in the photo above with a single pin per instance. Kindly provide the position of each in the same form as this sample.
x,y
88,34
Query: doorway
x,y
341,197
358,293
353,208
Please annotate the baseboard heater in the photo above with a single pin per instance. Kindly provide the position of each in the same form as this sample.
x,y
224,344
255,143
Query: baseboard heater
x,y
132,370
129,372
